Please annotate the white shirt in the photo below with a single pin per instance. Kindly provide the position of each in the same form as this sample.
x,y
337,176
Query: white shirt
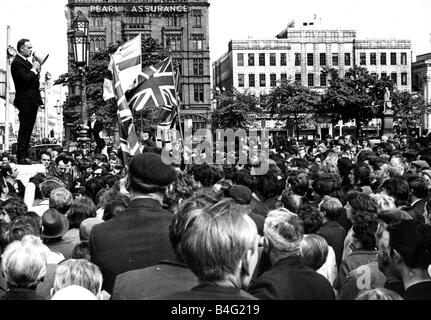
x,y
329,268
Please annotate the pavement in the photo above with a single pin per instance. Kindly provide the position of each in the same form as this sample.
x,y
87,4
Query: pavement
x,y
25,172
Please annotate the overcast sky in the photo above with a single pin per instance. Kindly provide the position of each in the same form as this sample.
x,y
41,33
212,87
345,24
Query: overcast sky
x,y
44,22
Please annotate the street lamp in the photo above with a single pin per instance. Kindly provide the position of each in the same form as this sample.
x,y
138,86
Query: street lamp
x,y
59,108
81,51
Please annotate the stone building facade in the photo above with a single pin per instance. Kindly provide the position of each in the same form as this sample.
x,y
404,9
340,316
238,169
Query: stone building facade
x,y
180,25
300,53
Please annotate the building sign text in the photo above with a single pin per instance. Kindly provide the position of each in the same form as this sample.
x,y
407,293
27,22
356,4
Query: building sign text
x,y
139,9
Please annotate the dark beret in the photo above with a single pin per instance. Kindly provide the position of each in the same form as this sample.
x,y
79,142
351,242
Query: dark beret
x,y
241,194
150,169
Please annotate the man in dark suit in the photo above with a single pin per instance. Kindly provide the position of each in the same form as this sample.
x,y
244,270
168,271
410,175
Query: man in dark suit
x,y
96,127
220,246
288,278
167,277
334,234
139,236
28,99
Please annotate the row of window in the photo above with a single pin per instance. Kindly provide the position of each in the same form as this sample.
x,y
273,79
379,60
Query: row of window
x,y
322,59
174,42
383,58
142,21
262,59
298,78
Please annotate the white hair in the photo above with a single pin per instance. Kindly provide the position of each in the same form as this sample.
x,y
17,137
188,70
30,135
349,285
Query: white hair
x,y
284,230
24,262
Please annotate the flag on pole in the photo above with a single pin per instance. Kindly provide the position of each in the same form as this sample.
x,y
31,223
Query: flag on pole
x,y
128,60
128,138
155,88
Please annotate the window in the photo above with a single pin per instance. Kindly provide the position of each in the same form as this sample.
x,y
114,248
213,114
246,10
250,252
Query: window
x,y
384,75
374,74
240,57
198,41
272,59
393,58
298,77
262,80
311,80
323,59
404,58
283,77
198,67
173,42
251,59
178,65
310,59
197,18
363,59
273,80
283,59
335,59
297,59
347,59
261,59
383,58
373,58
323,80
241,80
199,92
97,22
394,78
174,21
251,80
404,79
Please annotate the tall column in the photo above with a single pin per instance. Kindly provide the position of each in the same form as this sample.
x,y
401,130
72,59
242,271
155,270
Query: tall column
x,y
7,93
427,97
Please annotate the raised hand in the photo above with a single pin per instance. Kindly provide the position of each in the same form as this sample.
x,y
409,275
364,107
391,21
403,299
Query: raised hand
x,y
37,66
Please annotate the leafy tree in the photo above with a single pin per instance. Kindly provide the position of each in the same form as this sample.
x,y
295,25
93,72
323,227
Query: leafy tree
x,y
293,103
235,111
409,110
152,52
358,96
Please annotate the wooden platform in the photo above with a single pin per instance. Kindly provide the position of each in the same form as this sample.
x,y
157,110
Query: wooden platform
x,y
28,171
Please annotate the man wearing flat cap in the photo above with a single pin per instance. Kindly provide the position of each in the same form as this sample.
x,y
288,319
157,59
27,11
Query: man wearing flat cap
x,y
139,236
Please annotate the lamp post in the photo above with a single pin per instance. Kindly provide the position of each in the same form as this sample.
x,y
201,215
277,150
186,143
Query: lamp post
x,y
59,109
46,88
81,50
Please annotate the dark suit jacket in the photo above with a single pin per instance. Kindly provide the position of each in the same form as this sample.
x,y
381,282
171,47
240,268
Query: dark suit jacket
x,y
417,210
98,127
26,84
21,294
136,238
334,234
210,292
145,284
290,279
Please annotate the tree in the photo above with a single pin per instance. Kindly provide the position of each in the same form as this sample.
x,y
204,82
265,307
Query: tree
x,y
293,103
409,110
357,96
235,111
152,52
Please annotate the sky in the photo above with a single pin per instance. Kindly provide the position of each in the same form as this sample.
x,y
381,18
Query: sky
x,y
44,22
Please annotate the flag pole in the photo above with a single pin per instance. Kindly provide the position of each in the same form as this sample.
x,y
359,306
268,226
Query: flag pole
x,y
176,82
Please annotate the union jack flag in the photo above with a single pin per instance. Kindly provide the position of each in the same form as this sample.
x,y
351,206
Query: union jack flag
x,y
154,88
128,138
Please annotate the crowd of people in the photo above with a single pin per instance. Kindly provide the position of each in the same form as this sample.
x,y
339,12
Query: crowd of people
x,y
331,219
